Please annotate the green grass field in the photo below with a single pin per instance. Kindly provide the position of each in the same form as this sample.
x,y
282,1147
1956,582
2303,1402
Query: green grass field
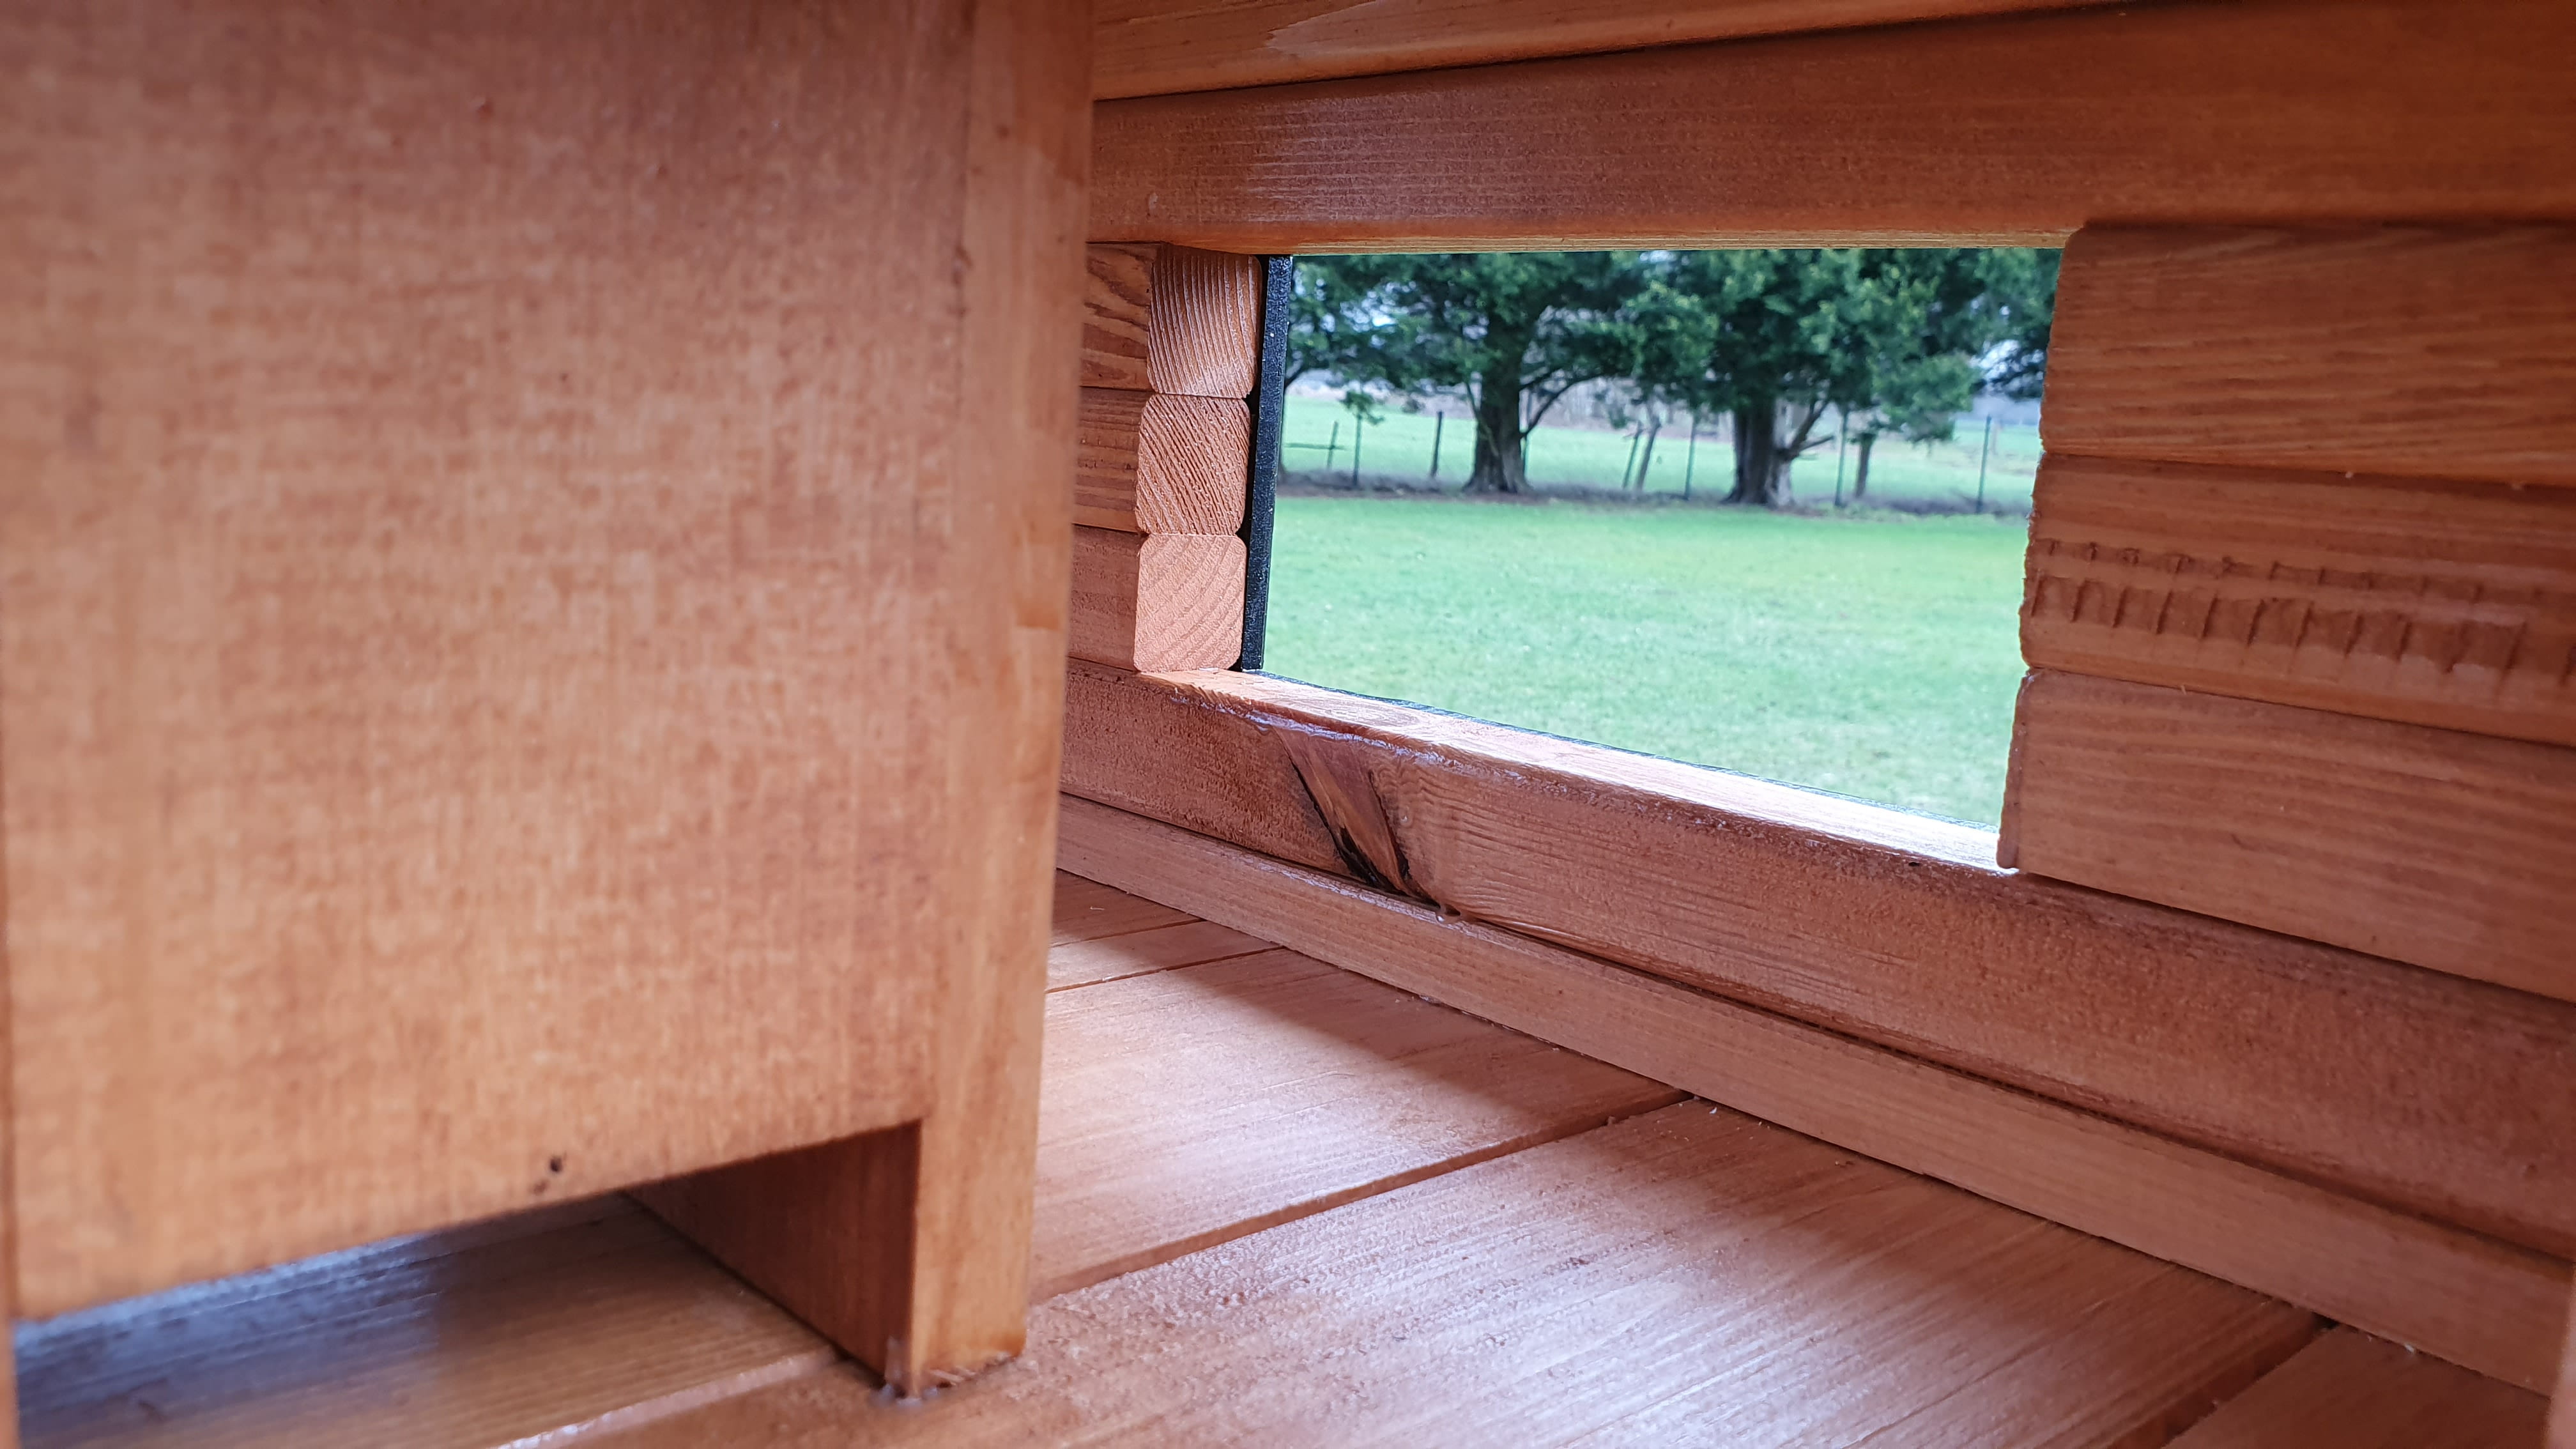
x,y
1319,433
1870,655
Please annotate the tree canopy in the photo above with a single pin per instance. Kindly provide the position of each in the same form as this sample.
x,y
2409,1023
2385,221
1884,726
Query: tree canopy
x,y
1891,341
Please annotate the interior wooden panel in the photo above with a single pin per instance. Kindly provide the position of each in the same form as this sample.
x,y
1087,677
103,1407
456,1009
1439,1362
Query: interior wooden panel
x,y
1140,953
2445,352
2358,1392
438,663
2447,850
2562,1407
2467,1298
1171,320
1156,601
1153,47
2425,1091
1688,1276
578,1320
2434,602
1089,911
1161,463
1194,1106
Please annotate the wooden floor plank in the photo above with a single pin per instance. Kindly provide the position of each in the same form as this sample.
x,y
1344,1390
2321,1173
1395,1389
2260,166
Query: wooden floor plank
x,y
1198,1105
1690,1276
2357,1392
1137,953
595,1316
1087,911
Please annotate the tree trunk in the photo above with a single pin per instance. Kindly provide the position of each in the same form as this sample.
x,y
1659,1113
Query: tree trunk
x,y
1761,465
1498,435
1648,463
1860,475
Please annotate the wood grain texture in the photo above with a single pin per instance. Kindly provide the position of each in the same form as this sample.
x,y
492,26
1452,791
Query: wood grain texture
x,y
2261,112
1088,911
2444,352
2447,850
483,684
555,1321
1155,47
1141,953
1171,320
2357,1392
1151,462
2469,1299
1192,1107
2562,1406
2437,603
1686,1277
2447,1097
1156,601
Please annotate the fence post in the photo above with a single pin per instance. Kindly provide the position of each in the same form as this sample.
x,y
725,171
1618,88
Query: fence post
x,y
1359,425
1987,453
1690,457
1437,419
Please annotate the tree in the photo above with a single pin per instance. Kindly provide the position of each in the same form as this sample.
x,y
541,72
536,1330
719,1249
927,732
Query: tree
x,y
1512,331
1895,339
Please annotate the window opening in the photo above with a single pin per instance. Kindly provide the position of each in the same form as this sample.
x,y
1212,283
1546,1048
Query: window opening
x,y
1762,510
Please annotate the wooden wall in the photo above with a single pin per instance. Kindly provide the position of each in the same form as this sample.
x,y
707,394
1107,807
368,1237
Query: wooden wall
x,y
532,577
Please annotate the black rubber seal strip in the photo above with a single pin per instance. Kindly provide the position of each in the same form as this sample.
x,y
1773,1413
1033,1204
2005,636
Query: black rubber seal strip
x,y
1269,415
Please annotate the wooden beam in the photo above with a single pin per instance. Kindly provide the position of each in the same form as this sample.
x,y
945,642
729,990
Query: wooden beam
x,y
1171,319
2444,1096
1154,47
2357,1392
2445,352
1153,462
2562,1405
2466,1298
2436,603
2448,850
2261,112
1156,601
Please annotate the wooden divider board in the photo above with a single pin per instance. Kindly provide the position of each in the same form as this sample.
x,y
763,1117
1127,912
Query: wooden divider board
x,y
1151,462
2258,111
2357,1392
1171,320
1156,601
480,696
1153,47
2433,602
2447,850
2446,1096
2446,352
2467,1298
2562,1407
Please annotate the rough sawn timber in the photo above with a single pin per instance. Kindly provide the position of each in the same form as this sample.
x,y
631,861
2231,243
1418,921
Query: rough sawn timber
x,y
2443,352
2264,112
2447,850
2447,1097
2353,1391
1153,47
2467,1298
2433,602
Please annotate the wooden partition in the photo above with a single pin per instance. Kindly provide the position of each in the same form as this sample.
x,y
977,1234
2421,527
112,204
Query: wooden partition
x,y
531,614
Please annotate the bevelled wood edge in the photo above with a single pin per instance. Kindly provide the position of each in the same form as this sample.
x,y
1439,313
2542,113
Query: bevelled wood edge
x,y
2483,1304
1151,462
1162,601
1171,319
2430,1093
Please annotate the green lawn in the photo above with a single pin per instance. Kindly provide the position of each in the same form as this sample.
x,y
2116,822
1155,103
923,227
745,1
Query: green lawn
x,y
1868,655
1319,433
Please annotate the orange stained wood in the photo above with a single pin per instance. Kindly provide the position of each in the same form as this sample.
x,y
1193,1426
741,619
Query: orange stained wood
x,y
2444,352
477,679
1088,911
1156,601
2562,1407
1150,47
2448,850
2263,111
1192,1106
1161,463
1686,1276
2433,602
1891,928
1171,320
557,1321
2467,1298
2356,1392
1139,953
